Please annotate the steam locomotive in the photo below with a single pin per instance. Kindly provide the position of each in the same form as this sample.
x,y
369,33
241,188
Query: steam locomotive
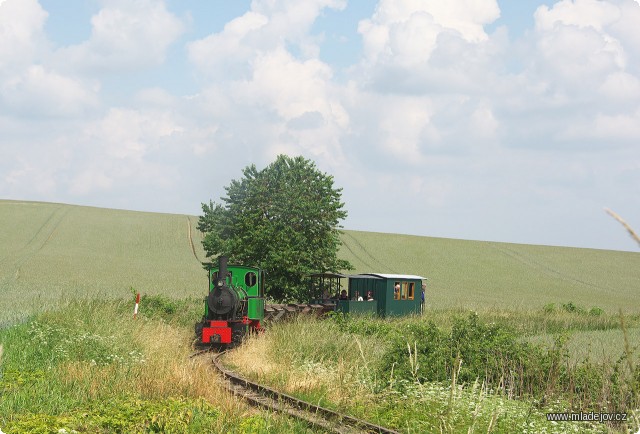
x,y
233,307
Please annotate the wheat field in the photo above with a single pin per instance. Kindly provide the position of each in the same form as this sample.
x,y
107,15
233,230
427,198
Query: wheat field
x,y
52,253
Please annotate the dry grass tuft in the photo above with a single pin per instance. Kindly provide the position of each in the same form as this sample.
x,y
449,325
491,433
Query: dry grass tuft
x,y
250,359
165,371
307,358
633,234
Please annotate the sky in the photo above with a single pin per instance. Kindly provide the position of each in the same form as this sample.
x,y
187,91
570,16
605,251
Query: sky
x,y
495,120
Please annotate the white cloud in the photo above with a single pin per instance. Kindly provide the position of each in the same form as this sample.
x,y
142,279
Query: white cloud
x,y
225,52
404,124
130,134
579,13
484,124
251,72
268,26
21,33
29,85
407,31
618,127
41,180
41,92
621,86
126,35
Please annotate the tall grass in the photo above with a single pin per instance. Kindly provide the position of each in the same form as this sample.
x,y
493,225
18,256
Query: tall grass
x,y
347,366
92,368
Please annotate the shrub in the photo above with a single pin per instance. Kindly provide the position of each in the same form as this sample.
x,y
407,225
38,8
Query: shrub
x,y
596,311
573,308
490,353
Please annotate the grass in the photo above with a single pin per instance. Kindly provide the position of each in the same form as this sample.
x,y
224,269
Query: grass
x,y
342,365
91,368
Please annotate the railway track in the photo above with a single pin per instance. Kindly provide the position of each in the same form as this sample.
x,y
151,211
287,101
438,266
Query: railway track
x,y
262,396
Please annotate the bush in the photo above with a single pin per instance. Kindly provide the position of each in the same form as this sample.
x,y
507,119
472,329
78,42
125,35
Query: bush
x,y
491,353
181,312
596,311
179,415
573,308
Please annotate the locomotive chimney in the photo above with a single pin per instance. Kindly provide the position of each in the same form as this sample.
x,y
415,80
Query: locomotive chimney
x,y
222,271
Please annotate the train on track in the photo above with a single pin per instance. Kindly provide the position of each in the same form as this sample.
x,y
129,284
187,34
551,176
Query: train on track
x,y
233,307
235,304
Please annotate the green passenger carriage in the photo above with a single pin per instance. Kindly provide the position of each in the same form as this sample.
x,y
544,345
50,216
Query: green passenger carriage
x,y
382,294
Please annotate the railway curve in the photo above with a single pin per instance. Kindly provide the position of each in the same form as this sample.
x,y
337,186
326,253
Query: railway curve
x,y
266,397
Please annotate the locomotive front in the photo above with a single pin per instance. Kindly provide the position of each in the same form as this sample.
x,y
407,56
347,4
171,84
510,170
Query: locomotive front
x,y
234,305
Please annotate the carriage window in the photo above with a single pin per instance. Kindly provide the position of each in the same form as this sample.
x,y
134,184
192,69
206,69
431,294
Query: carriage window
x,y
410,295
405,290
250,279
396,291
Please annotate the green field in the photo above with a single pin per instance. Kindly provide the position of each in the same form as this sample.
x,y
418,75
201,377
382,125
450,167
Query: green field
x,y
51,253
477,274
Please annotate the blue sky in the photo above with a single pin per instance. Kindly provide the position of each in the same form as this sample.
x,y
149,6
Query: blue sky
x,y
515,121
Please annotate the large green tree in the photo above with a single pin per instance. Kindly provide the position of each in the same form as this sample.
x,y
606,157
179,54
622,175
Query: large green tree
x,y
284,219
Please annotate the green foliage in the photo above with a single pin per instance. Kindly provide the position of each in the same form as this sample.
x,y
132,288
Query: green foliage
x,y
333,363
253,425
284,219
123,415
572,308
91,368
495,355
161,307
491,353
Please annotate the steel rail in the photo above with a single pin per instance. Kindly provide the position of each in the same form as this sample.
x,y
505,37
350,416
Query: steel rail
x,y
321,417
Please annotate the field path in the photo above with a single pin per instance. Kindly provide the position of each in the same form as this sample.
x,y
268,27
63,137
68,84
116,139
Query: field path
x,y
359,245
193,247
37,242
543,268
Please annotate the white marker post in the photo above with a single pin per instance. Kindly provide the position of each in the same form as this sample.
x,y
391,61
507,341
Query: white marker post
x,y
135,309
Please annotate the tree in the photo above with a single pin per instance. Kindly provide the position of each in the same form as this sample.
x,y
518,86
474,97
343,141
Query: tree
x,y
284,219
